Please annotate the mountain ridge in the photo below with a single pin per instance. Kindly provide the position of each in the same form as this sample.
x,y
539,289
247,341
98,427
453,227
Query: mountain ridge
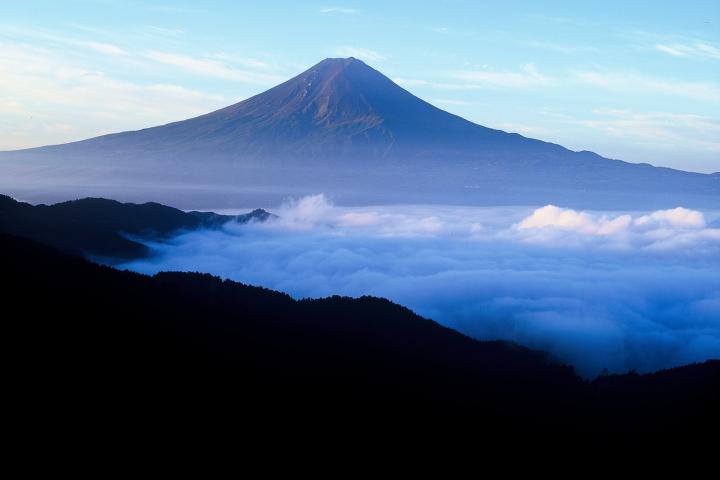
x,y
108,229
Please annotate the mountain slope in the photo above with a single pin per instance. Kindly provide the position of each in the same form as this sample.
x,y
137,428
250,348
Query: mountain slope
x,y
100,228
344,128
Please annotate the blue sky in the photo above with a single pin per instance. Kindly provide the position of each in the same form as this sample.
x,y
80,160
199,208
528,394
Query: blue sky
x,y
635,80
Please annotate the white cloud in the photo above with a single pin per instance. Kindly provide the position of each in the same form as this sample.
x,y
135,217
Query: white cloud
x,y
213,68
341,10
164,31
44,91
659,130
524,129
696,50
450,102
54,39
527,77
554,217
662,230
106,48
411,82
675,218
361,53
559,47
631,82
416,82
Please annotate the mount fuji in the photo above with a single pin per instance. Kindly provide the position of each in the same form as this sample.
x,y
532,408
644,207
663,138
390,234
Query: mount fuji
x,y
344,129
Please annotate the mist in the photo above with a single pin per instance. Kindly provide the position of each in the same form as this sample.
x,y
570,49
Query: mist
x,y
615,290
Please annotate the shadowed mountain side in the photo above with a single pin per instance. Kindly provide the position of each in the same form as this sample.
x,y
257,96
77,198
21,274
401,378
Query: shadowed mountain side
x,y
345,129
667,394
100,228
193,347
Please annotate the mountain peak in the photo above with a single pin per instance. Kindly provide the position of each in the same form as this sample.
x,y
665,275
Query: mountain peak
x,y
341,61
330,67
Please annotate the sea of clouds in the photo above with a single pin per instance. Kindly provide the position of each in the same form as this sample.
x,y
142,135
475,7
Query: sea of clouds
x,y
635,290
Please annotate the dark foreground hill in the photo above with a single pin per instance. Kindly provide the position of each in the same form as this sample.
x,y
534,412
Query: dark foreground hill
x,y
347,130
103,228
96,348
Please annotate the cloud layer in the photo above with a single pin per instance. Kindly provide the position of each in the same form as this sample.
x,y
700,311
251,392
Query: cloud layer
x,y
598,290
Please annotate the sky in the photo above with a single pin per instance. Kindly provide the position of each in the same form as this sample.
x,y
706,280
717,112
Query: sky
x,y
638,81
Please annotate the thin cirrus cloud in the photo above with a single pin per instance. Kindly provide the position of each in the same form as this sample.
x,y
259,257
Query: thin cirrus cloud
x,y
55,39
661,129
528,77
340,10
450,102
596,289
695,50
50,91
106,48
213,68
633,82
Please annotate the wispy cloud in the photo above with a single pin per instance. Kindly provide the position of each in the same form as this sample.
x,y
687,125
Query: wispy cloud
x,y
361,53
449,102
411,82
164,31
565,48
106,48
244,61
418,82
695,50
527,77
619,81
659,129
340,10
53,39
89,28
44,91
173,9
212,68
531,130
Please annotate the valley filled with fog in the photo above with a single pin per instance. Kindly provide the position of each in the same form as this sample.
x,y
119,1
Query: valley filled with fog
x,y
615,290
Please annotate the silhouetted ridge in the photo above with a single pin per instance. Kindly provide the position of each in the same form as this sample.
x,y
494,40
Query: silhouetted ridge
x,y
103,228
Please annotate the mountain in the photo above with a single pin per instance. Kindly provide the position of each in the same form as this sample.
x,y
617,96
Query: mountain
x,y
345,129
97,227
119,348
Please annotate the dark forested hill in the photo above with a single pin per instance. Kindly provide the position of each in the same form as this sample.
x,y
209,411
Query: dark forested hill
x,y
100,228
114,346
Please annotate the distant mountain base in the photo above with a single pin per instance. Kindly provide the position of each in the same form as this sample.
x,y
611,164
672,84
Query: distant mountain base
x,y
352,191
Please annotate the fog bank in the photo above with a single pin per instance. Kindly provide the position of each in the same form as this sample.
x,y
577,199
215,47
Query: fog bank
x,y
599,290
